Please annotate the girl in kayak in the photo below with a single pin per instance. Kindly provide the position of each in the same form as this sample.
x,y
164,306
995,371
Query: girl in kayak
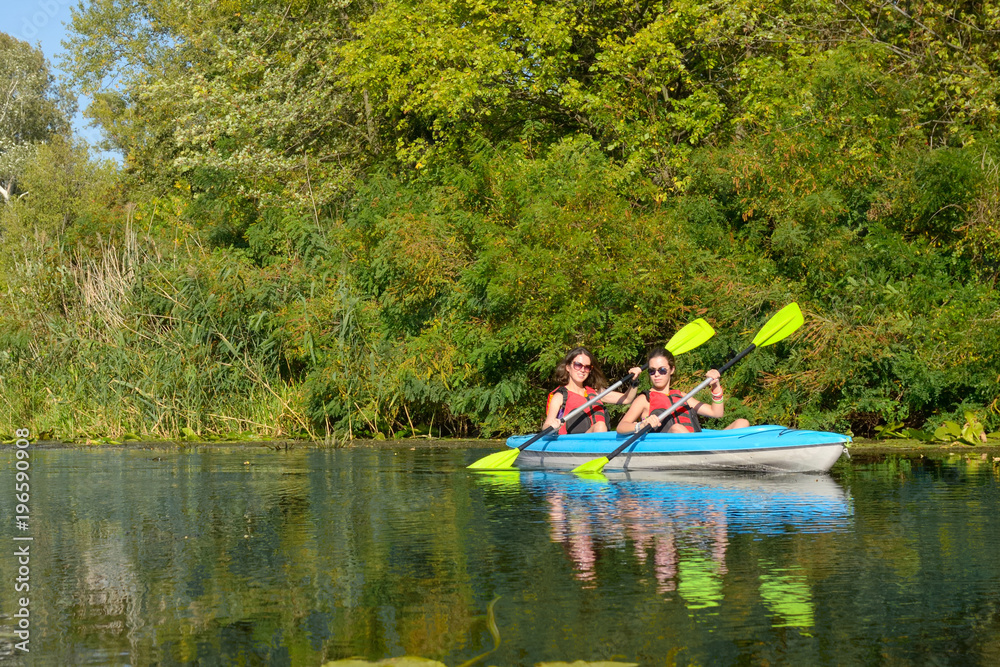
x,y
581,380
685,418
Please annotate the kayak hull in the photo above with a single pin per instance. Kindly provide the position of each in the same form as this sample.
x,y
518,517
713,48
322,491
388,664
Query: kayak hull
x,y
756,448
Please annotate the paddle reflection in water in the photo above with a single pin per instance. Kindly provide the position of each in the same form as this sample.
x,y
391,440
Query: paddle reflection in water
x,y
679,524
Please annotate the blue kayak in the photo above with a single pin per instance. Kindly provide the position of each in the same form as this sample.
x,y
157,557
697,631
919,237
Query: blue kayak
x,y
755,448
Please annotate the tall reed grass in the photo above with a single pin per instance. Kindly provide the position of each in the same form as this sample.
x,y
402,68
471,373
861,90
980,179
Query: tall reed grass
x,y
114,340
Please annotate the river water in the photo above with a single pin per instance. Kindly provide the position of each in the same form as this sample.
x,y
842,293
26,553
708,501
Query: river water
x,y
256,556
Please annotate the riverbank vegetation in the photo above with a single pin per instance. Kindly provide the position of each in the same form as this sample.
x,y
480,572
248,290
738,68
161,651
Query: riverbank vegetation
x,y
393,218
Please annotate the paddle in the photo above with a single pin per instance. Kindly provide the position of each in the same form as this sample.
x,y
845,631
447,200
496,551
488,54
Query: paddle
x,y
688,338
781,325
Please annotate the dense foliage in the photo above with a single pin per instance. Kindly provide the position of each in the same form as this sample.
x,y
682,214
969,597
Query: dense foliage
x,y
395,217
32,110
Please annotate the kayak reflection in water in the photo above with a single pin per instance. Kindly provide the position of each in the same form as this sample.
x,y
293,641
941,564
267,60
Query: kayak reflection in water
x,y
574,372
672,529
685,418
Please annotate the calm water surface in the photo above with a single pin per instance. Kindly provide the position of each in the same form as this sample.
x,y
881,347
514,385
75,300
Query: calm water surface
x,y
250,556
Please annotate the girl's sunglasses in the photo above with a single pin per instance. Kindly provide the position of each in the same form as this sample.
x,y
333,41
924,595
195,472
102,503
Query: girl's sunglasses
x,y
659,371
581,367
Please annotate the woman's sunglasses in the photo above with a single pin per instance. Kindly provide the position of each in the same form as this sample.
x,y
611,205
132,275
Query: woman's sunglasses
x,y
581,367
659,371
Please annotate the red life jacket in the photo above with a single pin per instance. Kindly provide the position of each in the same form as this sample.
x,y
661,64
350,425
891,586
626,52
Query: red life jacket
x,y
683,415
571,401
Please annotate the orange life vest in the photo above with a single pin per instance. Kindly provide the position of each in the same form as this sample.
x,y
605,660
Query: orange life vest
x,y
571,401
683,415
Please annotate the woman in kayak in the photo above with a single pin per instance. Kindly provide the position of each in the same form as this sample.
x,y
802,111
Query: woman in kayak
x,y
581,380
685,418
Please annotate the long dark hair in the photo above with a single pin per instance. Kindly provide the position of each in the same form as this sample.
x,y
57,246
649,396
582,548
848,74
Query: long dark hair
x,y
595,379
662,352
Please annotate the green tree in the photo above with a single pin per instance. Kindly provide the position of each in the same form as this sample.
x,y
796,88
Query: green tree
x,y
32,108
238,99
66,189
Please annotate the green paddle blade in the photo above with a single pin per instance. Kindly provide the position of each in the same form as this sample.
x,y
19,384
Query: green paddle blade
x,y
497,460
690,336
596,465
500,478
781,325
591,476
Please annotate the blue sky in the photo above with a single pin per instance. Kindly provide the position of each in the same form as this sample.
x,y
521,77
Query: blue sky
x,y
43,23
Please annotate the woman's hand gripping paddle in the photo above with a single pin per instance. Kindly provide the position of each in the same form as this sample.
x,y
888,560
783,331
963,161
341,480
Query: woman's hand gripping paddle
x,y
781,325
688,338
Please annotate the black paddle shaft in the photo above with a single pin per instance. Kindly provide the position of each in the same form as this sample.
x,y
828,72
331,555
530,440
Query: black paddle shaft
x,y
538,436
729,364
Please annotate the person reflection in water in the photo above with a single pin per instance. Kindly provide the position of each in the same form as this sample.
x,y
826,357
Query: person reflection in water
x,y
649,528
574,534
688,543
